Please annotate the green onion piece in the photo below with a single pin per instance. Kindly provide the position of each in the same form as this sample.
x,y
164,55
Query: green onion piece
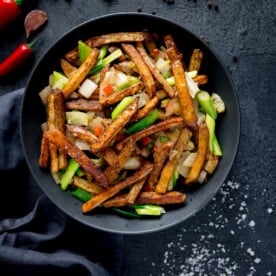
x,y
103,52
164,139
144,123
113,56
205,101
214,146
58,80
97,68
84,51
80,194
149,210
173,180
79,172
127,213
70,171
124,103
171,81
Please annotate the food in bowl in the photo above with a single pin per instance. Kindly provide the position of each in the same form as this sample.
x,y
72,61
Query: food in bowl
x,y
129,125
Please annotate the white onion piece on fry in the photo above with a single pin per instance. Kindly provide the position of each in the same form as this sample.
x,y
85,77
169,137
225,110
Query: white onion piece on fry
x,y
133,163
192,86
87,88
202,176
184,171
189,161
82,145
44,93
143,99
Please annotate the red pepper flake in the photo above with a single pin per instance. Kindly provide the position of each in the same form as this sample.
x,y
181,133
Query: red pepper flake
x,y
108,89
145,140
98,130
154,52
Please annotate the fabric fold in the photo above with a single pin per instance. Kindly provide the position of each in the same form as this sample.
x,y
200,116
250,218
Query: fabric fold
x,y
44,240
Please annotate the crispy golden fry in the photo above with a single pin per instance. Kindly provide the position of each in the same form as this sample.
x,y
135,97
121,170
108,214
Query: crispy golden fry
x,y
51,124
76,79
211,164
149,42
112,172
143,69
86,185
201,79
60,140
195,60
173,197
170,166
111,157
154,70
98,41
87,136
44,153
118,96
60,118
203,145
115,127
169,123
82,133
159,157
67,68
152,103
186,102
84,104
135,190
161,94
110,192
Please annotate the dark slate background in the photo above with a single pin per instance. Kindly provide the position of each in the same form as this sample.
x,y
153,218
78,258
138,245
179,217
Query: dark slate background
x,y
235,233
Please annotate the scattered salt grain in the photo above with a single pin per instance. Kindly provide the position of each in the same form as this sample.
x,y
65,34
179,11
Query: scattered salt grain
x,y
257,260
252,223
250,251
269,210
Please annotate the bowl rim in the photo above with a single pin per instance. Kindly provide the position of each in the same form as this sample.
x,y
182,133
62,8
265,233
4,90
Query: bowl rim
x,y
235,97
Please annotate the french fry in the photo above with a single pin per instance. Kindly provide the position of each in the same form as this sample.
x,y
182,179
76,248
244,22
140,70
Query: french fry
x,y
154,70
172,197
201,79
110,192
86,185
151,104
112,172
59,140
186,102
170,166
98,41
115,127
135,190
143,69
159,159
118,96
52,125
203,145
84,105
111,157
76,79
67,68
44,153
169,123
59,114
195,60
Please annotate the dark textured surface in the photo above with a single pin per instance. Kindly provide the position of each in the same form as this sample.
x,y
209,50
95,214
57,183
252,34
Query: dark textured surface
x,y
235,233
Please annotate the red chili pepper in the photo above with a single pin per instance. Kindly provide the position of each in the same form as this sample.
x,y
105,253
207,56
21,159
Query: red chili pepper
x,y
9,11
16,58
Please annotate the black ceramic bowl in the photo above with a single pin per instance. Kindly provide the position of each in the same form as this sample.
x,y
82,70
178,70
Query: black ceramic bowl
x,y
33,114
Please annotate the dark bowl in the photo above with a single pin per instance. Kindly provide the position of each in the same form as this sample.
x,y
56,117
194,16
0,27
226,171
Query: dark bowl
x,y
33,114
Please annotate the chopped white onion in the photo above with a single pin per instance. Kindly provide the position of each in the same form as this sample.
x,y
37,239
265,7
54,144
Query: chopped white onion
x,y
82,145
192,86
133,163
44,93
189,161
202,176
87,88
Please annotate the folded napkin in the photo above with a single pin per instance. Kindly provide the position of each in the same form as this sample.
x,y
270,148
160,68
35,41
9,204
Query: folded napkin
x,y
36,238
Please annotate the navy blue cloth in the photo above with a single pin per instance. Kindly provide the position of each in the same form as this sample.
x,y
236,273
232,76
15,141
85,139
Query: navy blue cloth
x,y
40,239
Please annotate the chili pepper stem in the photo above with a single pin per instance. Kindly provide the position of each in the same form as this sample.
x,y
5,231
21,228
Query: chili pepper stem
x,y
32,43
18,2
